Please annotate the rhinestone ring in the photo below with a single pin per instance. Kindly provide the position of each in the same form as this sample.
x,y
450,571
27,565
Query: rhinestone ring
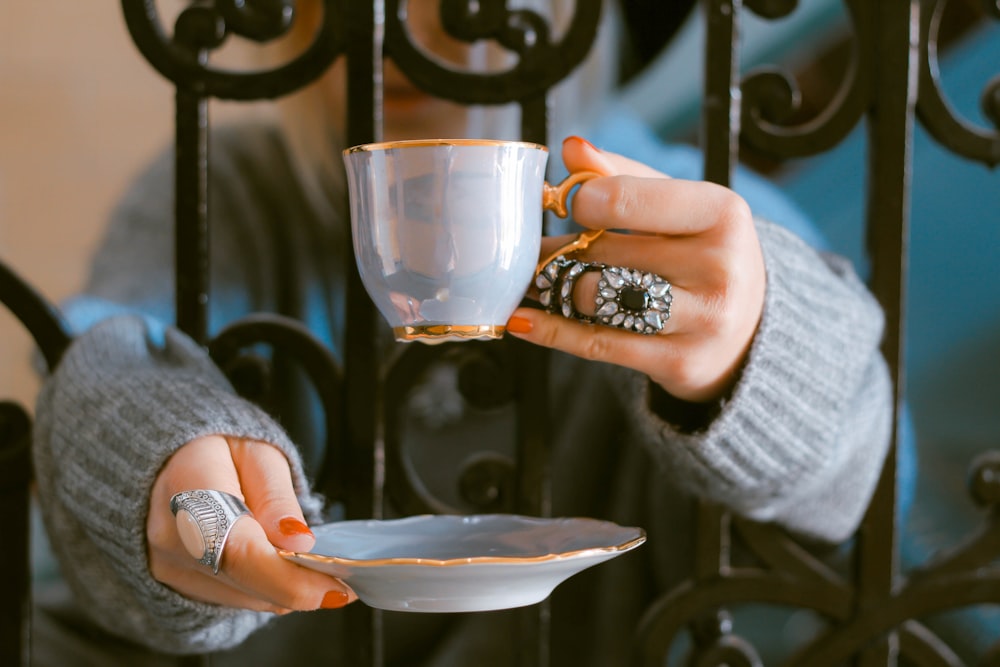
x,y
626,299
632,300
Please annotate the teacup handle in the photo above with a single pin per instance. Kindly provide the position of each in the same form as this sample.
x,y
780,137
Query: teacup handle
x,y
554,199
554,196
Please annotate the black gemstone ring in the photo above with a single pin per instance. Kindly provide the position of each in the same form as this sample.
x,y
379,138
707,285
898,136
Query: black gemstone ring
x,y
626,298
632,300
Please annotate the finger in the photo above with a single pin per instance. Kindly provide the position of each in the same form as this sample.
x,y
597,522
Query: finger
x,y
203,463
256,568
697,265
595,342
578,154
250,565
585,293
206,587
680,363
266,480
639,198
581,291
256,577
659,206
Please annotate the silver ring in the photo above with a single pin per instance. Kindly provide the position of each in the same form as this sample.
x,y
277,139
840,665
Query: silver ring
x,y
204,519
632,300
547,281
556,282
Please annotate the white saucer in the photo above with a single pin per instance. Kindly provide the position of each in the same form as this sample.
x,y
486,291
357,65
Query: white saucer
x,y
444,563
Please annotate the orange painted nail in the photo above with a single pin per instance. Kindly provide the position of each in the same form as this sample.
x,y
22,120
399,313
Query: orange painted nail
x,y
334,600
581,140
519,325
292,526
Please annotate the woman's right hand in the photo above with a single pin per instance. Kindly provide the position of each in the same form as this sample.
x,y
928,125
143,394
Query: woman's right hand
x,y
252,574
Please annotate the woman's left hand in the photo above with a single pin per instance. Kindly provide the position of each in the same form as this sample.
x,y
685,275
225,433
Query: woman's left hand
x,y
697,235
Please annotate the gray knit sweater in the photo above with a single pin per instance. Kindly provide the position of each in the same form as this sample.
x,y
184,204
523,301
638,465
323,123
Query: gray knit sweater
x,y
799,442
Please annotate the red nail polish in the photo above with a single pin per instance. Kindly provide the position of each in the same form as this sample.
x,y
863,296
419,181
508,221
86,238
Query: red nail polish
x,y
580,140
334,600
292,526
519,325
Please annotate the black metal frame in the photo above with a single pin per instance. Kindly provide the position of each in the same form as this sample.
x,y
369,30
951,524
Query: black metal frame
x,y
874,614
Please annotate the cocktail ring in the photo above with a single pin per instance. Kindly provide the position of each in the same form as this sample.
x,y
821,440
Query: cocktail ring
x,y
204,519
632,300
548,280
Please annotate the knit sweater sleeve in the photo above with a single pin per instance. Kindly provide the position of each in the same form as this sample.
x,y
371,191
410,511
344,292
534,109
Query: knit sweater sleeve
x,y
802,438
129,392
140,394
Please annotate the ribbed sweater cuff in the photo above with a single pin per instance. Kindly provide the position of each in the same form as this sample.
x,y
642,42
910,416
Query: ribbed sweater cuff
x,y
819,330
119,404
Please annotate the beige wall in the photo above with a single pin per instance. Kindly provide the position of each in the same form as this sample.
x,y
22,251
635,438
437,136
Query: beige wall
x,y
80,110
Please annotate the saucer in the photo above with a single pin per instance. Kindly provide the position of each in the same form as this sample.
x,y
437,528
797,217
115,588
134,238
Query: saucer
x,y
449,563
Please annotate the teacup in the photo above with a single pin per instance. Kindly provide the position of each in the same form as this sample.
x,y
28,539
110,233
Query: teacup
x,y
447,231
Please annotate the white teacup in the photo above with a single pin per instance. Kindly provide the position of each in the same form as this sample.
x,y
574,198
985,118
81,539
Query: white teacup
x,y
447,231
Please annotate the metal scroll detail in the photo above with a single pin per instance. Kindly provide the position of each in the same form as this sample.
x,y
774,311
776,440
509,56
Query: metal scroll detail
x,y
503,374
15,494
361,448
771,97
541,62
205,25
52,336
864,611
42,319
937,115
183,57
229,351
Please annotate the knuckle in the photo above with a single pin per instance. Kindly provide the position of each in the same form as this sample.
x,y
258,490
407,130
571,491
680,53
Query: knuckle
x,y
690,371
549,335
159,569
160,533
302,599
595,346
733,210
236,550
273,501
710,318
622,200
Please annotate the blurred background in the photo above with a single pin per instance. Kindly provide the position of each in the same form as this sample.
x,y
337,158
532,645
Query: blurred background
x,y
80,111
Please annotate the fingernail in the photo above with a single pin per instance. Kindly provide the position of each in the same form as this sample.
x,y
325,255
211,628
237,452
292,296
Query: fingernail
x,y
334,600
519,325
580,140
292,526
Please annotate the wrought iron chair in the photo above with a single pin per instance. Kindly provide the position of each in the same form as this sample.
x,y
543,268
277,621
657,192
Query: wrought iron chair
x,y
893,82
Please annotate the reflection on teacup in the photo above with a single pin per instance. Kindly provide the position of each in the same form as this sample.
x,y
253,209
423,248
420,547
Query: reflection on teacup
x,y
447,232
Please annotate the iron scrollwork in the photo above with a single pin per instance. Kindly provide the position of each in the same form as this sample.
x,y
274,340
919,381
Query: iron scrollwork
x,y
293,338
52,335
541,62
15,494
492,374
787,574
771,97
204,26
937,115
863,606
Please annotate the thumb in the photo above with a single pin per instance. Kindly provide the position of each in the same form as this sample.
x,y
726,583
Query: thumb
x,y
266,480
